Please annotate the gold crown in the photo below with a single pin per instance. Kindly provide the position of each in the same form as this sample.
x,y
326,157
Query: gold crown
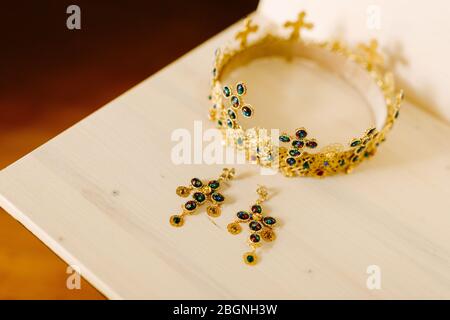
x,y
297,154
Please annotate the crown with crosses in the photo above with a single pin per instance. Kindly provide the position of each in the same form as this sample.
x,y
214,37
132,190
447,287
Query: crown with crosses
x,y
298,154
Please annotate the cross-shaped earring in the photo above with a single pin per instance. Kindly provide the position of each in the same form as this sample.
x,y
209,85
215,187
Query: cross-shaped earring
x,y
260,225
202,193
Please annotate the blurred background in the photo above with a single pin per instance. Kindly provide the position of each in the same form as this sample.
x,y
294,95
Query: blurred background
x,y
52,77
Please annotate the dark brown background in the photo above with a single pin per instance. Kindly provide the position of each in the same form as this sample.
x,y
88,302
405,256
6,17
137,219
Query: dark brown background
x,y
52,77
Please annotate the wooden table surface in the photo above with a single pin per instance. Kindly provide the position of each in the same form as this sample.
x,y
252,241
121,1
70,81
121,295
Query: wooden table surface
x,y
47,87
100,195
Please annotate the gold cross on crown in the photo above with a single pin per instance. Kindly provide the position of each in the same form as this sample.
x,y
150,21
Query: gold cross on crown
x,y
373,57
243,34
298,25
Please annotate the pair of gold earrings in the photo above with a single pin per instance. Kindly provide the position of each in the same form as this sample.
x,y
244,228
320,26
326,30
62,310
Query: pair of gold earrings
x,y
260,225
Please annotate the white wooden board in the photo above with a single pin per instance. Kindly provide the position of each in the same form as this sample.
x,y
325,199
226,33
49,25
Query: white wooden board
x,y
100,195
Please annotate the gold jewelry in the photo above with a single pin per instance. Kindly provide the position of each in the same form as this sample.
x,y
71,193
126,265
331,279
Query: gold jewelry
x,y
362,67
261,226
202,193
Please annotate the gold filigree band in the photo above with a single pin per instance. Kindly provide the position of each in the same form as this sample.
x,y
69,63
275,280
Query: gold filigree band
x,y
297,154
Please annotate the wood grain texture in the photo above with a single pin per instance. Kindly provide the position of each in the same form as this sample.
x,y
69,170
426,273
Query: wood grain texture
x,y
100,195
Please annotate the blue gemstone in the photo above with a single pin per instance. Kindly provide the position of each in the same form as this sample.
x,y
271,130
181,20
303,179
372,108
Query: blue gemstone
x,y
298,144
294,153
291,161
217,197
243,215
230,123
284,138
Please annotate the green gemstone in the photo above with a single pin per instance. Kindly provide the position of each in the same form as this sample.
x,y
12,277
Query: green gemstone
x,y
301,133
269,220
250,258
240,88
231,114
176,220
214,184
306,165
226,91
199,197
355,143
285,138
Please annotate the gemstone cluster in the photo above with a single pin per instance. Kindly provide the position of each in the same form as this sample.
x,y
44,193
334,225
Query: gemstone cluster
x,y
201,193
260,226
